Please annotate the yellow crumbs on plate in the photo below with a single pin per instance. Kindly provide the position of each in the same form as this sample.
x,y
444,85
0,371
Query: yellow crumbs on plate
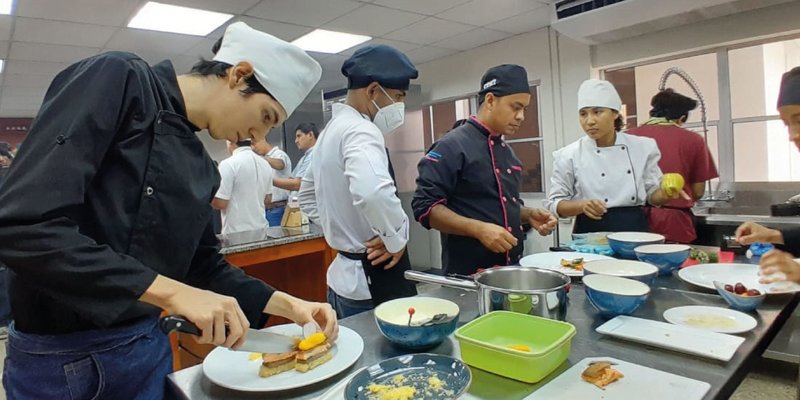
x,y
386,392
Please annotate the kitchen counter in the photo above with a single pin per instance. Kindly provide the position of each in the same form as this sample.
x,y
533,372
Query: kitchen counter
x,y
273,236
292,260
724,378
735,220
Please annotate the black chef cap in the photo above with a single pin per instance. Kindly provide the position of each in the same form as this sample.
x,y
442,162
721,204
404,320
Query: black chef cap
x,y
790,88
379,63
504,80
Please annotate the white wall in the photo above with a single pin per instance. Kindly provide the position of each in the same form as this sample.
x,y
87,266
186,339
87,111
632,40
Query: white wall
x,y
736,28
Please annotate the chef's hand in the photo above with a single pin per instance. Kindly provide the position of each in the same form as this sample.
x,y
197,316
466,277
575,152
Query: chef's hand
x,y
495,237
676,194
542,221
775,262
751,232
211,312
303,312
594,209
378,254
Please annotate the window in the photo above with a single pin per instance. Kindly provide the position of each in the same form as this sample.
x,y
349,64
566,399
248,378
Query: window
x,y
439,118
743,125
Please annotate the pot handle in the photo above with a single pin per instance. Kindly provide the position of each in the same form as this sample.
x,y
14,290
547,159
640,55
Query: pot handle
x,y
441,280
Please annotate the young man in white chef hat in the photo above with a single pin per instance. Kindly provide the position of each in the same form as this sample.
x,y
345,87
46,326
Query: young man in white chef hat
x,y
106,217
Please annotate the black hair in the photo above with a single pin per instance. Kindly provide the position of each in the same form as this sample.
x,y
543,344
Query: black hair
x,y
459,123
619,123
244,143
308,127
671,105
218,68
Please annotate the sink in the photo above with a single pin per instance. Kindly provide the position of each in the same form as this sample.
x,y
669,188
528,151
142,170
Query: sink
x,y
739,210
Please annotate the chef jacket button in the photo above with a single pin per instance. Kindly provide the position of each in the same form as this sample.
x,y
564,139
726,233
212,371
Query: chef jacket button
x,y
505,199
509,228
503,144
149,191
61,139
158,121
606,200
497,170
603,174
629,171
508,170
623,148
598,151
514,199
520,227
633,198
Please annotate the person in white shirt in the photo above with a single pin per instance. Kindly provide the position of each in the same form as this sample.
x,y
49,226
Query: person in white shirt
x,y
282,168
245,188
606,178
349,191
305,138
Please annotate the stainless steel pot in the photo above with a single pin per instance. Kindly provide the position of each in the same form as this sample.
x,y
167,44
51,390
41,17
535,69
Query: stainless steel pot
x,y
533,291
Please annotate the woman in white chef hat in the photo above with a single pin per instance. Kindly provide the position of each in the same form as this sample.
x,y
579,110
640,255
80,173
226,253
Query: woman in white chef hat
x,y
606,178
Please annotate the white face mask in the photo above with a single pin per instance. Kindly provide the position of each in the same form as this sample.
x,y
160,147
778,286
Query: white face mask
x,y
391,117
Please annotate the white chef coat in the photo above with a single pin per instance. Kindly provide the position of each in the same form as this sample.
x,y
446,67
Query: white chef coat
x,y
245,180
279,194
349,192
622,175
301,167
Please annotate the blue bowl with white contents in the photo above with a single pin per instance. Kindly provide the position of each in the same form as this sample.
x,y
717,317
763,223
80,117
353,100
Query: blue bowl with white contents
x,y
612,295
433,321
667,257
636,270
624,243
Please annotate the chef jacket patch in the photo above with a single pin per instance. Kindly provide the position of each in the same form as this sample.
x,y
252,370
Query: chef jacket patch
x,y
433,156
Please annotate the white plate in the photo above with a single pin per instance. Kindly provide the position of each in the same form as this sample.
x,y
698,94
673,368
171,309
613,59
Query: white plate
x,y
715,319
552,260
234,369
698,342
658,385
704,275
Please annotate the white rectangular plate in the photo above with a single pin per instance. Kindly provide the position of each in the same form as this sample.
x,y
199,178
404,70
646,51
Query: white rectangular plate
x,y
684,339
639,382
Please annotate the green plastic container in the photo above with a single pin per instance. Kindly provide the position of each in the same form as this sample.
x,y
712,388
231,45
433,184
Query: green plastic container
x,y
485,343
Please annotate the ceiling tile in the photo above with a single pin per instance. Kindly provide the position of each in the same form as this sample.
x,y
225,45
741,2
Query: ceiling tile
x,y
27,101
303,12
482,12
22,82
287,32
526,22
227,6
333,63
33,67
137,40
18,113
402,46
372,20
428,31
60,32
32,92
49,52
429,53
99,12
6,23
202,49
4,46
472,39
427,7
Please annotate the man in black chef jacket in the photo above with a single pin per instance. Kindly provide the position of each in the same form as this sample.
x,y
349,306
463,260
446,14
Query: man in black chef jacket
x,y
468,184
106,217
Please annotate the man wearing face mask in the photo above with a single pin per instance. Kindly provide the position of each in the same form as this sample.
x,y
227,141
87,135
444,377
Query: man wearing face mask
x,y
349,189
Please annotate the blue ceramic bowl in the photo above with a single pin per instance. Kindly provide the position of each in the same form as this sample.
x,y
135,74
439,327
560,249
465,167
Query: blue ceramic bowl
x,y
392,320
624,243
416,371
739,302
612,295
636,270
667,257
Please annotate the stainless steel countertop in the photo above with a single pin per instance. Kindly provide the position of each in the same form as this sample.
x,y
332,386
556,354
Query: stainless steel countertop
x,y
724,377
268,237
736,220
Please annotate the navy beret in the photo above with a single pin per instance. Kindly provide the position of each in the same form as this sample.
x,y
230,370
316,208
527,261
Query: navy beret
x,y
790,88
379,63
504,80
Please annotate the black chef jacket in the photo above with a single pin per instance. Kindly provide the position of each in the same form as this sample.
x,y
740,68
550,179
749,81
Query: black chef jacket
x,y
111,188
476,175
